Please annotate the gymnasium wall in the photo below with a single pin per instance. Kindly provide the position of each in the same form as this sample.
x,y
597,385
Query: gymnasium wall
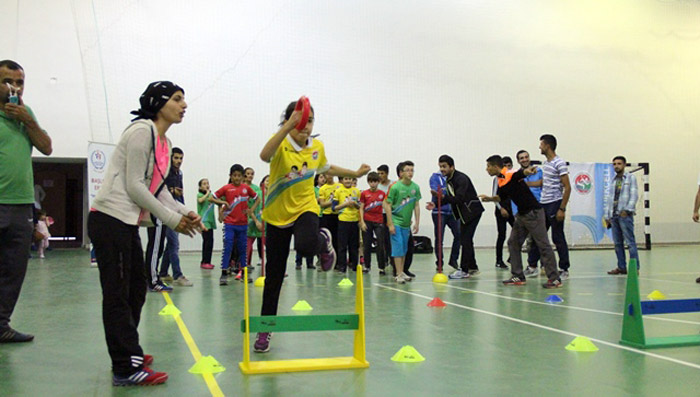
x,y
389,81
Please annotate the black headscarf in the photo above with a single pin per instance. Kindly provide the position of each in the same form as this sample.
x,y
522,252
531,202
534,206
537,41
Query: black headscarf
x,y
154,98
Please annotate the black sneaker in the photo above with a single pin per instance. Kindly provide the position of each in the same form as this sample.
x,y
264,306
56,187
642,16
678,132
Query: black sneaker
x,y
11,336
365,269
311,267
160,286
223,280
501,265
382,272
550,284
515,280
409,274
298,266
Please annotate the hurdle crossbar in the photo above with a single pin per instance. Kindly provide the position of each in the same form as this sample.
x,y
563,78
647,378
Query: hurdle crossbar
x,y
633,323
329,322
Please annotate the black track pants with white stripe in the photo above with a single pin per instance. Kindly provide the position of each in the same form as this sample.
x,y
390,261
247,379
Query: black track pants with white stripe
x,y
156,245
123,279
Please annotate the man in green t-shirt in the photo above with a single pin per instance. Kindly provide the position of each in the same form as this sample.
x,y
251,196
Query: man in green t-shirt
x,y
19,133
402,200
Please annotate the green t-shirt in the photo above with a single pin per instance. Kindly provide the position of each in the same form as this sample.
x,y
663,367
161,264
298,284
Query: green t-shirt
x,y
208,219
16,174
403,200
253,231
320,212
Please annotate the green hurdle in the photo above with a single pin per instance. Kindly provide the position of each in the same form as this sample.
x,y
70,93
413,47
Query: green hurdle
x,y
633,323
325,322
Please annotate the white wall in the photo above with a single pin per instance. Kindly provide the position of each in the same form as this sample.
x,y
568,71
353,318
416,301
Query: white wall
x,y
389,81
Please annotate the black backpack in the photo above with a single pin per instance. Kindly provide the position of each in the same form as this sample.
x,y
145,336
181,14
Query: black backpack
x,y
422,245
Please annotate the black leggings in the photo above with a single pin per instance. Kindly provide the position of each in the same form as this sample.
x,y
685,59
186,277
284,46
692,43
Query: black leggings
x,y
207,245
307,241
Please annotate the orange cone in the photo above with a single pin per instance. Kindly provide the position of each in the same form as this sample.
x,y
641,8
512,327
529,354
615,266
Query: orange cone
x,y
436,302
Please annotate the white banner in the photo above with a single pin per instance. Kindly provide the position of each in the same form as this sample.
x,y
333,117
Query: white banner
x,y
588,184
99,155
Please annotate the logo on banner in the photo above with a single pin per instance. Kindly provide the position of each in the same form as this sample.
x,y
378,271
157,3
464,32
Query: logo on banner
x,y
583,183
98,160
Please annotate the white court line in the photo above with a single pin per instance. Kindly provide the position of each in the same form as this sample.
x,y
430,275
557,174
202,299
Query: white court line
x,y
672,320
582,277
516,320
585,309
668,281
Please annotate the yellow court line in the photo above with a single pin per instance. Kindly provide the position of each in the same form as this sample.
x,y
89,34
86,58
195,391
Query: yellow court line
x,y
213,386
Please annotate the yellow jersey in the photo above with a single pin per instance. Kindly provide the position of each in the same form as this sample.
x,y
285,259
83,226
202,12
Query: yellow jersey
x,y
291,189
349,213
328,192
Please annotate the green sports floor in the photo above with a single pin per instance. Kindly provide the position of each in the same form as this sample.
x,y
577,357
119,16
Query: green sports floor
x,y
490,340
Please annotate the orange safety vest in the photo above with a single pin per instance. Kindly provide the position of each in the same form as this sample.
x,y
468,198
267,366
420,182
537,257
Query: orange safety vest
x,y
506,176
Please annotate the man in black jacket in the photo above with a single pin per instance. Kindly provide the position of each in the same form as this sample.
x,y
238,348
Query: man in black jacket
x,y
529,220
467,208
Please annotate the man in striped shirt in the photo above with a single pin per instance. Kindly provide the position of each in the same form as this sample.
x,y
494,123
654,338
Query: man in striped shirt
x,y
555,196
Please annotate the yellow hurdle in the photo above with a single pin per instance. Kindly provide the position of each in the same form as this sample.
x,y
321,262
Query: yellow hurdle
x,y
354,321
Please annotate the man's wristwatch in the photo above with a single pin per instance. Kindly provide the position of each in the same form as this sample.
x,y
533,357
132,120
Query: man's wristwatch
x,y
562,209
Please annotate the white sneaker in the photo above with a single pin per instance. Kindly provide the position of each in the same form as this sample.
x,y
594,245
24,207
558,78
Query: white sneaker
x,y
399,279
459,274
530,271
183,282
564,275
405,277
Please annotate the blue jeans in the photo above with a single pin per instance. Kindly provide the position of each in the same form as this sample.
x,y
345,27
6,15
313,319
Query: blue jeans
x,y
234,234
623,232
171,255
450,221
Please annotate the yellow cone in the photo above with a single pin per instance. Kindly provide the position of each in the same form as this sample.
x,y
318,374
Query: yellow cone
x,y
207,365
259,282
581,344
170,310
407,354
345,283
302,305
440,278
656,295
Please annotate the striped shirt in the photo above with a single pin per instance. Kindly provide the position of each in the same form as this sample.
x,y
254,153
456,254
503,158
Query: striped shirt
x,y
552,188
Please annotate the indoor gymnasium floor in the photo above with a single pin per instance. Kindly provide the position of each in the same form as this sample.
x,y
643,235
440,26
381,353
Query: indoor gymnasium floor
x,y
490,339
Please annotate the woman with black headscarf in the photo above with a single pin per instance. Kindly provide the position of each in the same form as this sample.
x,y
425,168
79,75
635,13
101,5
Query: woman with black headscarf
x,y
132,194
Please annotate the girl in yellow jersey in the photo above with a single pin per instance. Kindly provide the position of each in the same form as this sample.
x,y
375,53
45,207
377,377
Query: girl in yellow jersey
x,y
291,208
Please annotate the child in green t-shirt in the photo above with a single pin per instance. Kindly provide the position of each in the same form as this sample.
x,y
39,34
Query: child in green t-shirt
x,y
402,200
255,218
206,211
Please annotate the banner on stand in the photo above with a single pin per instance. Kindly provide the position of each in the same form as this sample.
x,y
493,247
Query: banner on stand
x,y
99,155
589,182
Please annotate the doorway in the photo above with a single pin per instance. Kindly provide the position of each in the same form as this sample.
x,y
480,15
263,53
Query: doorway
x,y
59,186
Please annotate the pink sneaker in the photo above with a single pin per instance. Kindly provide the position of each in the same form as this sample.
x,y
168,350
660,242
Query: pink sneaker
x,y
262,342
328,255
208,266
